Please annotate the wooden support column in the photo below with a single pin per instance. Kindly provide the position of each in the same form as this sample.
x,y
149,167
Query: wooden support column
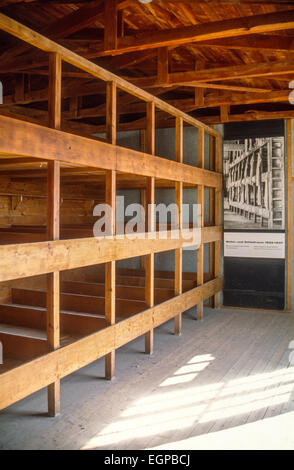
x,y
199,92
200,201
121,23
179,203
162,65
150,223
289,216
143,190
218,217
19,91
110,25
74,106
53,226
111,112
225,112
110,199
110,273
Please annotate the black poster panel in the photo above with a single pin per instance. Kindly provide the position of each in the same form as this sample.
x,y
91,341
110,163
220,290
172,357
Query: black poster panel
x,y
254,283
254,214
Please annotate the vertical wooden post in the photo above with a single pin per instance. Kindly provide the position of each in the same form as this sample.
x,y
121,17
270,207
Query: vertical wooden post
x,y
143,140
121,23
218,217
289,216
110,25
143,196
110,199
150,223
200,201
54,91
110,296
179,203
53,226
224,113
162,65
199,92
143,190
150,130
111,112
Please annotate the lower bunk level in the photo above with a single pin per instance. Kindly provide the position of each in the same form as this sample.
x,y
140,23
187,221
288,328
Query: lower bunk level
x,y
28,365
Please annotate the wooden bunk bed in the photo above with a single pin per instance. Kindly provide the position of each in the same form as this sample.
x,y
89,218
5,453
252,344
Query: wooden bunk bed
x,y
63,302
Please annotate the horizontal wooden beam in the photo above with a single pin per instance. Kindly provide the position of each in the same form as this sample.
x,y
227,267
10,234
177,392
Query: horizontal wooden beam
x,y
30,377
235,72
244,26
262,42
212,234
257,42
26,139
254,115
188,104
31,259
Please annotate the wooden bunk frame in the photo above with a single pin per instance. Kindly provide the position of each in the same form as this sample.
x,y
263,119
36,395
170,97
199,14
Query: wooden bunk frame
x,y
55,360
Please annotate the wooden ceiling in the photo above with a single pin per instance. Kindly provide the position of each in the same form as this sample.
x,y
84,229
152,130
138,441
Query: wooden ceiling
x,y
219,60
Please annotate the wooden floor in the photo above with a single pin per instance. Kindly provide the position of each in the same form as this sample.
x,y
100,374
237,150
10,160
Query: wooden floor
x,y
225,383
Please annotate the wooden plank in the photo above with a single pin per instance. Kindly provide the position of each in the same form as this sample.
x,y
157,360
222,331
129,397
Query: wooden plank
x,y
200,201
26,139
150,223
125,292
179,203
77,302
20,347
28,378
289,215
70,323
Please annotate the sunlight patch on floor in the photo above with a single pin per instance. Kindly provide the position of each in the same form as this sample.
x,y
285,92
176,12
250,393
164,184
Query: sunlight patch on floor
x,y
275,433
179,403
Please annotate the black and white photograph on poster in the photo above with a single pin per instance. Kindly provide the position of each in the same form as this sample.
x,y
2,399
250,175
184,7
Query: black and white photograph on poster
x,y
254,184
